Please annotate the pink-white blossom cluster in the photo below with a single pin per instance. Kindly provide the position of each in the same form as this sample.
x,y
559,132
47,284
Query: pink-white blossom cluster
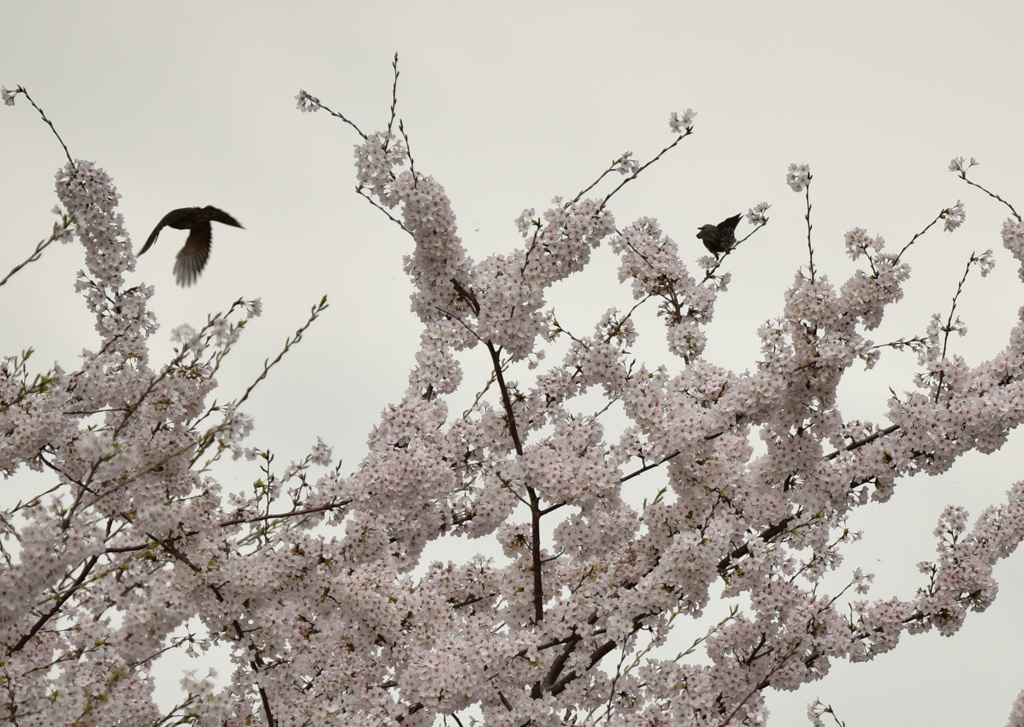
x,y
87,607
593,537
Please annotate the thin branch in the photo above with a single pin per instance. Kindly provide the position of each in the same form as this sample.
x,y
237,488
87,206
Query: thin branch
x,y
337,115
283,515
635,174
915,237
807,216
57,234
57,605
857,443
390,216
535,553
394,93
21,90
948,328
408,151
506,398
993,195
314,313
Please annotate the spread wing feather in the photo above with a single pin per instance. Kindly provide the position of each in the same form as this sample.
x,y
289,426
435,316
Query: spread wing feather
x,y
179,219
192,258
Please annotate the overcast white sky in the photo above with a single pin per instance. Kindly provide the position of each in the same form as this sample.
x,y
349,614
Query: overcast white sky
x,y
191,103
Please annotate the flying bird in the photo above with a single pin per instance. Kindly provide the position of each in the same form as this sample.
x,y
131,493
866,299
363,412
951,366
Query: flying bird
x,y
721,237
192,257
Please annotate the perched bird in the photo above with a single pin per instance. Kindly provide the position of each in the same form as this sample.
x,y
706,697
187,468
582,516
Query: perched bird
x,y
196,220
721,237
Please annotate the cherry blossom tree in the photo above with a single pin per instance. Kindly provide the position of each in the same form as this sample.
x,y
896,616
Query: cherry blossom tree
x,y
572,596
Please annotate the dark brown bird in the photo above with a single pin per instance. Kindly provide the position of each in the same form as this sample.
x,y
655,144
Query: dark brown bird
x,y
192,257
721,237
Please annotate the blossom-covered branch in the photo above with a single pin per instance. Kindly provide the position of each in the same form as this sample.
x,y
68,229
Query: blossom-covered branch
x,y
607,507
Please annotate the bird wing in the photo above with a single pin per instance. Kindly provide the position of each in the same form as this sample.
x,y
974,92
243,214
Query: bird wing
x,y
173,218
192,257
223,217
730,223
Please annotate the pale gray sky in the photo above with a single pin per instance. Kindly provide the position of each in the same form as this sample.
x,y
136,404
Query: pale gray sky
x,y
191,103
